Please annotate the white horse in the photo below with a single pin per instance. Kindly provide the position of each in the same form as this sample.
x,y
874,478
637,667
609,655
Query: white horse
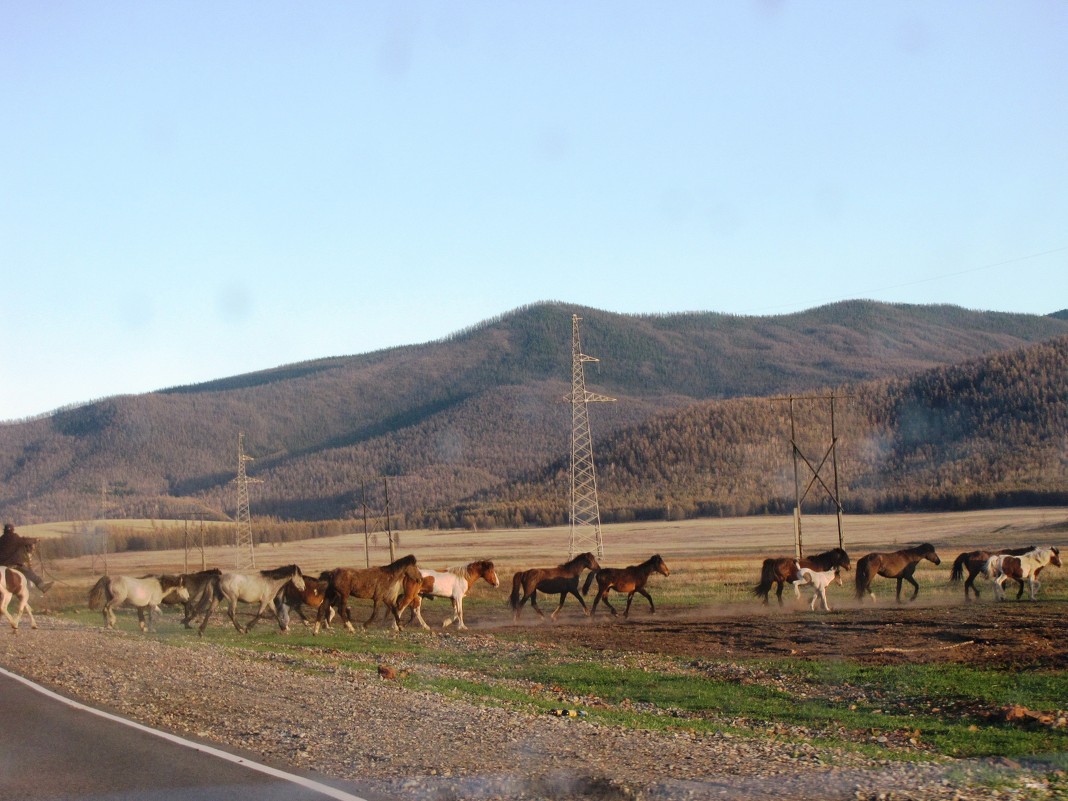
x,y
1001,567
261,588
144,594
820,581
14,585
453,584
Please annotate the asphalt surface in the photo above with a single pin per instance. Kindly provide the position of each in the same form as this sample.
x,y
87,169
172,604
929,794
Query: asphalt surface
x,y
50,750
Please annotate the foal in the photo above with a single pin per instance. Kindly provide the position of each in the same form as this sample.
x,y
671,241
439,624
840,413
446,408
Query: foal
x,y
820,581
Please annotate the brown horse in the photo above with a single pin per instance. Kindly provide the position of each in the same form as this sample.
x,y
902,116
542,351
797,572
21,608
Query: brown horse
x,y
898,565
630,580
782,569
973,562
382,585
562,579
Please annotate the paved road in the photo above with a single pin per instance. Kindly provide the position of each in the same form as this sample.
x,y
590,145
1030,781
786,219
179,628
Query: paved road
x,y
50,750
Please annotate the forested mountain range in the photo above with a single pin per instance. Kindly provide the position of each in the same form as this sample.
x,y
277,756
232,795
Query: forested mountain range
x,y
473,429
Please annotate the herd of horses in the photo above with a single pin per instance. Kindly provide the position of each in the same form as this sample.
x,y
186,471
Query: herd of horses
x,y
402,585
819,571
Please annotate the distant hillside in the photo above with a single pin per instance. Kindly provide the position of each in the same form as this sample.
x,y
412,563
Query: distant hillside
x,y
992,431
447,420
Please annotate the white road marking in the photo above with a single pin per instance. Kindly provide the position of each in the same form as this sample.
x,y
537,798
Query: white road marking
x,y
310,784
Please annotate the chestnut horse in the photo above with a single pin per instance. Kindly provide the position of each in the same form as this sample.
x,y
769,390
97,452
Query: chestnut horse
x,y
382,585
975,561
452,584
14,585
630,580
782,569
562,579
898,565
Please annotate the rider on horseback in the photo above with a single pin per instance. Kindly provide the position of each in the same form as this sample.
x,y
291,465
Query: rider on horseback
x,y
15,552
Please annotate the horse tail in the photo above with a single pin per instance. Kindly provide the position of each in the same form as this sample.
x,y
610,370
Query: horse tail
x,y
958,568
589,580
767,578
864,576
100,593
517,589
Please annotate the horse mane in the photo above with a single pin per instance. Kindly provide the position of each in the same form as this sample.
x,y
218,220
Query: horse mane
x,y
280,572
582,557
924,547
400,564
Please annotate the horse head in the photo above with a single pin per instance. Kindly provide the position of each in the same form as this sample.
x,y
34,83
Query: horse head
x,y
1054,556
841,558
589,561
174,584
659,566
927,551
486,570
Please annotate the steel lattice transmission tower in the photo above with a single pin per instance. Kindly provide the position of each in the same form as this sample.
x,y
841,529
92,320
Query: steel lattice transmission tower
x,y
246,552
585,514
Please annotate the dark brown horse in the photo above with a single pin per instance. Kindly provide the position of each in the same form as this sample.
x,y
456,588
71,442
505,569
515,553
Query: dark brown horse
x,y
562,579
200,586
783,569
898,565
630,580
973,562
382,585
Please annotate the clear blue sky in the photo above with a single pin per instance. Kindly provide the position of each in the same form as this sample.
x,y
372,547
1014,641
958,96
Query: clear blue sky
x,y
194,190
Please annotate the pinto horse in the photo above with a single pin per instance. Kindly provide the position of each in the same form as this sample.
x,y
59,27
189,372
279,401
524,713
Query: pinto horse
x,y
1025,566
562,579
975,561
898,565
144,594
14,585
783,569
382,585
252,588
630,580
452,584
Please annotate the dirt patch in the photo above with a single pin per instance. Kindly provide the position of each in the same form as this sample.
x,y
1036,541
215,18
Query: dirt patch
x,y
1003,635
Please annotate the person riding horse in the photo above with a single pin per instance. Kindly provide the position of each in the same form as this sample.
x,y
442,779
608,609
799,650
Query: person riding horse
x,y
15,552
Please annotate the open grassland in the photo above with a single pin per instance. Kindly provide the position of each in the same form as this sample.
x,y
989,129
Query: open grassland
x,y
917,681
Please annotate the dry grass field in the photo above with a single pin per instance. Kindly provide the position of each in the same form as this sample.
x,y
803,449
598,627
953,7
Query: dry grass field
x,y
682,544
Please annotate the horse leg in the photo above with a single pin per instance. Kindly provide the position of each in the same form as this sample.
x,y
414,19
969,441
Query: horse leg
x,y
915,587
778,592
970,582
26,605
416,611
141,617
648,597
1034,586
457,615
1019,592
604,597
233,615
534,603
563,597
5,599
109,616
212,603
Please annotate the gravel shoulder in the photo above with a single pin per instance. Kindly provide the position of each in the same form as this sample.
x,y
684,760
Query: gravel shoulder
x,y
303,710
